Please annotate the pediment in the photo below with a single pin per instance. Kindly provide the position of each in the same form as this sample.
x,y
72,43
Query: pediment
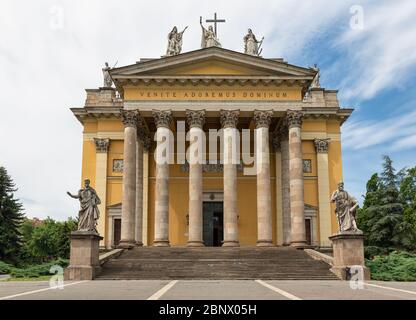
x,y
212,62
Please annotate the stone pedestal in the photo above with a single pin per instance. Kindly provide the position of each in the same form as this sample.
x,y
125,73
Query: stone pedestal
x,y
348,252
84,261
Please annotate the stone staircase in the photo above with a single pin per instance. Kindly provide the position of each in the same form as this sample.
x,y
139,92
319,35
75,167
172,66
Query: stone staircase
x,y
282,263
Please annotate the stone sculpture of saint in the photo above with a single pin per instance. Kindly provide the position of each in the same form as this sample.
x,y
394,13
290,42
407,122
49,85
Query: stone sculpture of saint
x,y
88,213
108,82
346,207
315,82
209,38
251,44
175,42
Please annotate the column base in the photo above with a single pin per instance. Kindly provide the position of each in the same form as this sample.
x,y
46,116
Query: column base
x,y
265,243
161,243
126,244
139,244
195,244
231,244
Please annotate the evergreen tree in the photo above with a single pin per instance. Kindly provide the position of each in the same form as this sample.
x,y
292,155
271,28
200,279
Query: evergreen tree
x,y
11,217
384,214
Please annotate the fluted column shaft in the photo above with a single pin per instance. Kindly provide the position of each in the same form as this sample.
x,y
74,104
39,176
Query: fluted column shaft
x,y
139,190
262,120
229,119
297,237
161,239
195,121
286,216
129,180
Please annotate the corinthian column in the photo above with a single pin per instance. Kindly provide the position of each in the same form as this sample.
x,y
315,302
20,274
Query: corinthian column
x,y
284,149
128,208
297,237
262,121
141,138
196,120
229,119
162,121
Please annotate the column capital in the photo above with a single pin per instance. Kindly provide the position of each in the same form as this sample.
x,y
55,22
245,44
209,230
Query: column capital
x,y
163,118
229,118
262,119
321,145
294,118
129,118
195,118
101,145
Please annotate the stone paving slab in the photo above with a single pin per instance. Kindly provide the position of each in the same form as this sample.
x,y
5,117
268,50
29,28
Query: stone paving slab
x,y
338,290
208,289
220,290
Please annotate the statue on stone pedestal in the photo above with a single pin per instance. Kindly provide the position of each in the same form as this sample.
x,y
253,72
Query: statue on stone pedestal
x,y
108,82
346,207
209,38
315,82
175,42
88,213
251,44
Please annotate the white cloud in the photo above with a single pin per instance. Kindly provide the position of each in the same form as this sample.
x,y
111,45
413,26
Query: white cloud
x,y
393,133
383,54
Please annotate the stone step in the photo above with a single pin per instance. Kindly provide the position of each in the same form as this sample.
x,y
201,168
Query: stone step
x,y
215,263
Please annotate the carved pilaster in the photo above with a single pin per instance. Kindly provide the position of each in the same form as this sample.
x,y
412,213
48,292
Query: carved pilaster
x,y
276,142
101,145
262,119
162,118
321,145
129,118
294,118
195,118
229,118
142,131
147,143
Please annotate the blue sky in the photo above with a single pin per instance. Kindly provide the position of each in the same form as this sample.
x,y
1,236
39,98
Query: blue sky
x,y
51,50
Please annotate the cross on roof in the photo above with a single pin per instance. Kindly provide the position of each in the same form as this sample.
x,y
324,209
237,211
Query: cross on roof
x,y
215,20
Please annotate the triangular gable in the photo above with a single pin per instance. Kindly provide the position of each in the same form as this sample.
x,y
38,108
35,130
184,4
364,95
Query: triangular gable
x,y
212,61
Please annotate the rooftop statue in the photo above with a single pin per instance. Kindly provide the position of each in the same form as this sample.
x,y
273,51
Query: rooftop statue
x,y
175,42
346,207
88,213
315,82
251,44
209,38
108,82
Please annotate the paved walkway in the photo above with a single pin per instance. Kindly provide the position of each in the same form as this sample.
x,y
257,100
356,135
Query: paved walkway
x,y
207,289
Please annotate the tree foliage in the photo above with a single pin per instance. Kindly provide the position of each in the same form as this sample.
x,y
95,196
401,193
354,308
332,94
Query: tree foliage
x,y
11,217
388,209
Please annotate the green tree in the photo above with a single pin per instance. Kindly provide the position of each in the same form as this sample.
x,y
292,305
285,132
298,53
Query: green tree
x,y
11,217
382,216
50,240
408,195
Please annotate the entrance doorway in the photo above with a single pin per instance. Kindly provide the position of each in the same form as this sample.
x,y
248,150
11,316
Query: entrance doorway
x,y
213,219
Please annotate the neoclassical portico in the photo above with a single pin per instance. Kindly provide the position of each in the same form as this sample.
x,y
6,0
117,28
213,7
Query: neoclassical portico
x,y
294,138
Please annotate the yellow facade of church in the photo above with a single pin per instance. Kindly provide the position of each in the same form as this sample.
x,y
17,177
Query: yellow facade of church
x,y
213,79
